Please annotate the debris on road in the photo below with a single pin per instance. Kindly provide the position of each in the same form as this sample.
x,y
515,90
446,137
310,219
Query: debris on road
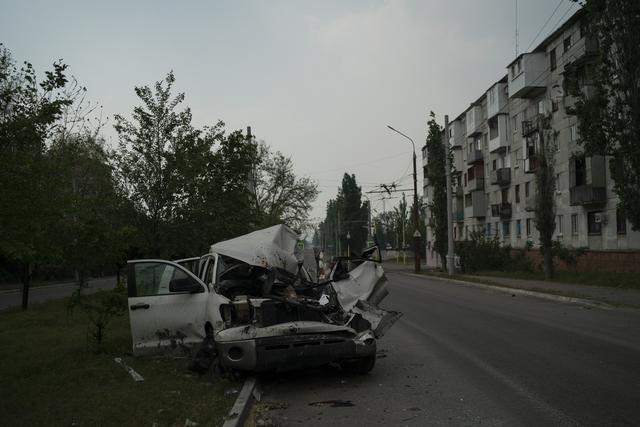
x,y
337,403
136,376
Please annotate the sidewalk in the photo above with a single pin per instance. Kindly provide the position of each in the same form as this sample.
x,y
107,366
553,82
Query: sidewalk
x,y
609,295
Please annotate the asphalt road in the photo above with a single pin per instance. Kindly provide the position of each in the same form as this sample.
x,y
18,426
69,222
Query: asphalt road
x,y
468,356
38,294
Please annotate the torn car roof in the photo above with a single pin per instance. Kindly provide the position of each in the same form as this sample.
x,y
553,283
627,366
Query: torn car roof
x,y
270,247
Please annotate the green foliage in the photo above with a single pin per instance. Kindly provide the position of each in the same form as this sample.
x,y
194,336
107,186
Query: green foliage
x,y
29,207
189,186
346,214
100,308
567,255
608,106
43,356
93,227
437,178
545,202
480,252
278,195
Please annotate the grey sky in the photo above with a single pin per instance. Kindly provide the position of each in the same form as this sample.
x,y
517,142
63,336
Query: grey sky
x,y
317,80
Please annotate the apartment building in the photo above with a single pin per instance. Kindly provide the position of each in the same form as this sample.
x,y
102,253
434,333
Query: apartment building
x,y
495,145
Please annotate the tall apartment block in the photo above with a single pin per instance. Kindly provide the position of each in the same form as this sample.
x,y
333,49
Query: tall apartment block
x,y
495,146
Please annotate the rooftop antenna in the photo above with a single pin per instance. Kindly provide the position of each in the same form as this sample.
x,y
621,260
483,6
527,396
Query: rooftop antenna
x,y
516,28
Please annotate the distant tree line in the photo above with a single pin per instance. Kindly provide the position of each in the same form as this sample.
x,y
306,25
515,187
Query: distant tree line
x,y
71,205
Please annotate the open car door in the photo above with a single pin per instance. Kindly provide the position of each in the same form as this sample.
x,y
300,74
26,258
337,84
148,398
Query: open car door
x,y
167,305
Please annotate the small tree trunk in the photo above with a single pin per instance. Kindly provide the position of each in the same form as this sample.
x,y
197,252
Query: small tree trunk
x,y
26,283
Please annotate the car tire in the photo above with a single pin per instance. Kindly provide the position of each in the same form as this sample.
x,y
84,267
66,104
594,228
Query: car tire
x,y
360,366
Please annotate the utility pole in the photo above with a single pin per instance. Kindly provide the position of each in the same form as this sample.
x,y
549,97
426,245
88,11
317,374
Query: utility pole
x,y
416,220
450,253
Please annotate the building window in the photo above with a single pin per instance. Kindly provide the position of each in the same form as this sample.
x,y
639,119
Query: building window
x,y
573,133
567,44
552,59
559,226
575,225
528,224
494,164
518,228
621,222
506,228
594,222
488,229
554,105
517,193
526,190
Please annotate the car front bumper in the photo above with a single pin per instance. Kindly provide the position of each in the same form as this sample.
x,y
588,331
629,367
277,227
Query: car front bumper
x,y
290,352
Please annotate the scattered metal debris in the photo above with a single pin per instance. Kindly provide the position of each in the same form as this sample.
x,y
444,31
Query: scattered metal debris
x,y
136,376
337,403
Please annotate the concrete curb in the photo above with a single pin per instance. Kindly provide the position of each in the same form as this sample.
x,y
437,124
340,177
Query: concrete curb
x,y
536,294
240,409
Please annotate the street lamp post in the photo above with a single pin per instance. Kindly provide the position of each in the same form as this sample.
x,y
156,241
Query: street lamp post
x,y
416,235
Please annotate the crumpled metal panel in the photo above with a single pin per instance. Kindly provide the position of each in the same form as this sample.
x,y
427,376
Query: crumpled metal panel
x,y
271,247
359,285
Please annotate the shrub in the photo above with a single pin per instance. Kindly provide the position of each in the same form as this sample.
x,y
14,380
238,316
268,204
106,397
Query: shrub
x,y
100,309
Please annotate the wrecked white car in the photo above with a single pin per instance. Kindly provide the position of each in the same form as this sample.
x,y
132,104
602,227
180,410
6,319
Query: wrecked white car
x,y
259,307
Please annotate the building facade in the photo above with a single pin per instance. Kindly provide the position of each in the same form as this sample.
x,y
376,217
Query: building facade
x,y
495,146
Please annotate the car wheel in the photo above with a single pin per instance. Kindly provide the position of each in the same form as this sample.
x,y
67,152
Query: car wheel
x,y
360,366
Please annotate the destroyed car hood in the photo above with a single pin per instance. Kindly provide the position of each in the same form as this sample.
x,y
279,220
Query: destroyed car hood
x,y
269,248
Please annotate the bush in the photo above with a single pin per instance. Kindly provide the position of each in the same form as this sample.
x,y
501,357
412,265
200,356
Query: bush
x,y
482,253
568,256
100,309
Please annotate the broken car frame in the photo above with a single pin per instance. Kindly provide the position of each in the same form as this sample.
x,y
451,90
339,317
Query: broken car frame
x,y
265,311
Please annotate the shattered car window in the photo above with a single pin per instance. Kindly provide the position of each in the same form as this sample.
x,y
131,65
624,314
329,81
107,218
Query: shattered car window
x,y
155,278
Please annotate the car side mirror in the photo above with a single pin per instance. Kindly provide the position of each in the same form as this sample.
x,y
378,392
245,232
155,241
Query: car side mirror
x,y
185,284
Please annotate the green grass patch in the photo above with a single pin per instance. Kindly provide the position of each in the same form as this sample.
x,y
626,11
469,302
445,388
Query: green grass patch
x,y
51,377
591,278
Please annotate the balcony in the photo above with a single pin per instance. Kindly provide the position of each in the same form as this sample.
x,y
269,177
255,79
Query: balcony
x,y
476,184
587,195
498,133
501,176
473,120
457,137
477,208
496,99
474,156
524,75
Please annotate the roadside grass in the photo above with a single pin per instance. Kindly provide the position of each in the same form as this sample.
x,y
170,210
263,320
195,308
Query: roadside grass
x,y
591,278
49,376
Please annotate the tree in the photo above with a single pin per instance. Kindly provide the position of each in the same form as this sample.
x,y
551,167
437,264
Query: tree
x,y
437,179
93,223
161,161
545,205
354,215
279,196
400,222
608,106
29,208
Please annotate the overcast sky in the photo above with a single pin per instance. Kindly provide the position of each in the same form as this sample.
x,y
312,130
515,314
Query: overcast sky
x,y
318,80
